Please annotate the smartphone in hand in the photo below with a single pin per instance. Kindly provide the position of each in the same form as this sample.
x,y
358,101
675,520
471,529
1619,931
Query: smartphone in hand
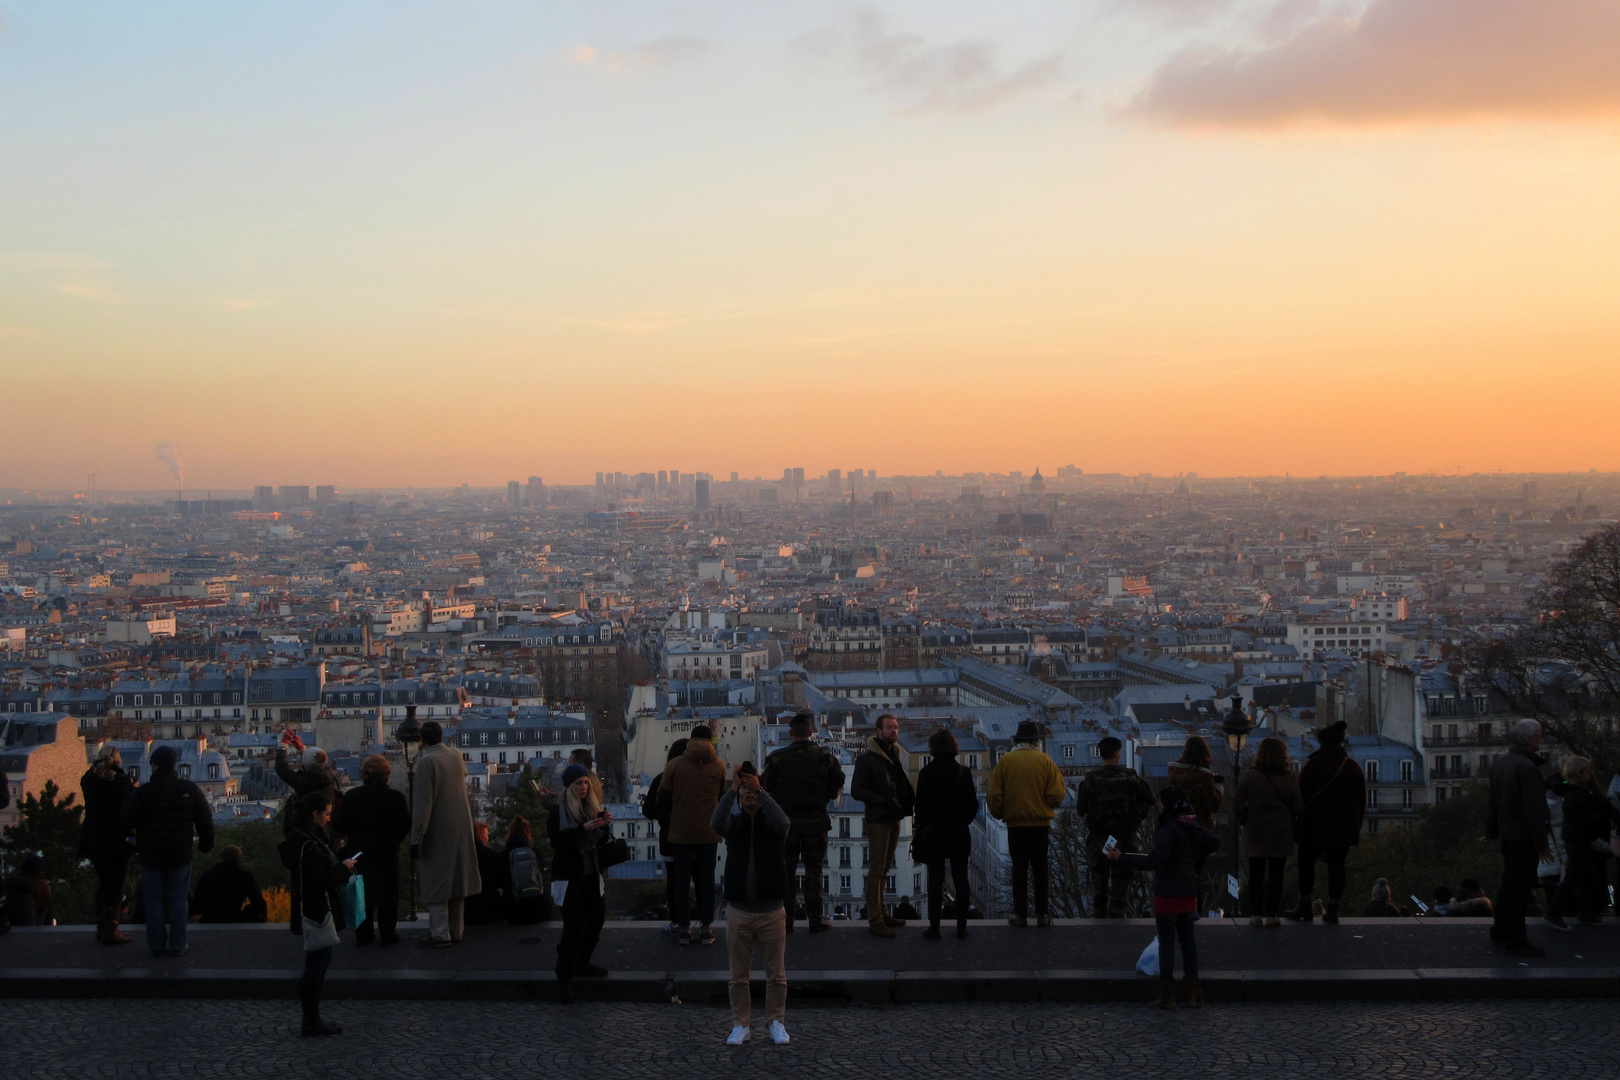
x,y
1110,844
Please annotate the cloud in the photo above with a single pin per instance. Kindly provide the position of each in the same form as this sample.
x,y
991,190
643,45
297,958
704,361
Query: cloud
x,y
964,77
664,52
1178,11
1402,61
99,291
243,303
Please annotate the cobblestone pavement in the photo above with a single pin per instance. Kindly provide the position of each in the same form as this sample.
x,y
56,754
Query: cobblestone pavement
x,y
246,1040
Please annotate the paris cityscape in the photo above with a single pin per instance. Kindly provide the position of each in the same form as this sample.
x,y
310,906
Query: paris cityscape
x,y
983,540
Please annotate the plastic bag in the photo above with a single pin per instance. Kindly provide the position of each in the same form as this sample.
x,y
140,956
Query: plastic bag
x,y
354,901
1148,962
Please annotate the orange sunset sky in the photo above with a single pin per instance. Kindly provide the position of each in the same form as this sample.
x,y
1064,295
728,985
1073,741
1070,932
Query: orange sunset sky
x,y
482,241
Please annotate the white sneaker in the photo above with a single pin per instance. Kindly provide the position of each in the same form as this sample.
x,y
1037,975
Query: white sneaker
x,y
738,1036
779,1034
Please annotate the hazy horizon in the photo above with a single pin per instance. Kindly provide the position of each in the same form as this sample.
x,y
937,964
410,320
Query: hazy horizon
x,y
385,246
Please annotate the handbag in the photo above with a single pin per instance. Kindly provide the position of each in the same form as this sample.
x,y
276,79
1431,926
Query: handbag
x,y
920,849
612,853
319,935
354,900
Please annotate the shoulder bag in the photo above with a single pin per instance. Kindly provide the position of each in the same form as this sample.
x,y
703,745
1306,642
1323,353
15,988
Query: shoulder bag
x,y
317,935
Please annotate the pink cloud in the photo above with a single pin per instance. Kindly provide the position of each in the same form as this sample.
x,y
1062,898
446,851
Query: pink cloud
x,y
1405,61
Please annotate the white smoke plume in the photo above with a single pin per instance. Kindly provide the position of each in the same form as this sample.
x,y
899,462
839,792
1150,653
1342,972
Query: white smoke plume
x,y
169,454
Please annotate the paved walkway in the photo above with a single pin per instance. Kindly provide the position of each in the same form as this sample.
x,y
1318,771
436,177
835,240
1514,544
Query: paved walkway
x,y
1565,1040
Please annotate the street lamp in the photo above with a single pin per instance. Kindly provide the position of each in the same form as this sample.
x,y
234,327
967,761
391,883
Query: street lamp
x,y
1236,728
409,734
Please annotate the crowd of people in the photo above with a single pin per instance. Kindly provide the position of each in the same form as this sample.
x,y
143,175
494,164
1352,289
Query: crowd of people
x,y
342,852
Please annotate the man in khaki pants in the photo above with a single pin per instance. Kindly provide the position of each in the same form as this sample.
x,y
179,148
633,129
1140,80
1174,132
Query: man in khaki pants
x,y
754,827
881,783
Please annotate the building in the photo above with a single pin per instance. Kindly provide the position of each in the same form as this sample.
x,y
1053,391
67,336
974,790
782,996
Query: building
x,y
36,750
846,639
1348,636
507,739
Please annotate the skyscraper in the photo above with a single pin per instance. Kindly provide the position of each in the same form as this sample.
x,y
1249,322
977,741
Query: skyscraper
x,y
702,488
513,492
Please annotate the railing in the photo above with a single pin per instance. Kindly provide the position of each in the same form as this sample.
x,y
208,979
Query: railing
x,y
1441,772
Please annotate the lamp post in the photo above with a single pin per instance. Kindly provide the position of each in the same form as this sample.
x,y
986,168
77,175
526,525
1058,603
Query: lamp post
x,y
409,734
1236,728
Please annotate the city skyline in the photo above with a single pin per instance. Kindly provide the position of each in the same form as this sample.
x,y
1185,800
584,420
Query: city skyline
x,y
430,246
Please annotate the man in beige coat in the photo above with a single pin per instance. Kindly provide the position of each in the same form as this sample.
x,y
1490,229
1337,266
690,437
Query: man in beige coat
x,y
442,830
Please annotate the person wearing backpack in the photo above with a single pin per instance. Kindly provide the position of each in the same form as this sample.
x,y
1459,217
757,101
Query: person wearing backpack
x,y
375,819
522,894
653,810
947,803
1114,800
1178,847
803,778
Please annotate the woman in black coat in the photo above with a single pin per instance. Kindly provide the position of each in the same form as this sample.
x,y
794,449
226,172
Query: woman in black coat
x,y
321,877
578,827
947,803
1334,791
1585,833
374,820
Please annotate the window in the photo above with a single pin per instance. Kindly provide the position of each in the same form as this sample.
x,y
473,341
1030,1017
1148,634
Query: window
x,y
501,757
120,701
1068,751
843,860
630,830
185,772
843,828
1372,799
1372,772
1406,799
1406,772
843,883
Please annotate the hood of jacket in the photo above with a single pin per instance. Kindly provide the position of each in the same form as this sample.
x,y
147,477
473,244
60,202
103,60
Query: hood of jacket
x,y
878,746
699,752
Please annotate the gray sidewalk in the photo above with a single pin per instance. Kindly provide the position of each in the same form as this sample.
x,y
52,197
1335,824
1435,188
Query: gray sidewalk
x,y
1078,960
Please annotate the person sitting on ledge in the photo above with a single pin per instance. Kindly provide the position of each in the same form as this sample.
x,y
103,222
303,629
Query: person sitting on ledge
x,y
1381,907
228,893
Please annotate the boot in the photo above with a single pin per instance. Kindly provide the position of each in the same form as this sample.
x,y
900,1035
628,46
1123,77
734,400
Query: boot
x,y
1195,996
880,928
1302,913
890,920
1331,915
107,931
1167,994
314,1025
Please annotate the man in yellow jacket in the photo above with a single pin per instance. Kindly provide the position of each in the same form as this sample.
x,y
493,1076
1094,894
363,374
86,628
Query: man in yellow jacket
x,y
1026,788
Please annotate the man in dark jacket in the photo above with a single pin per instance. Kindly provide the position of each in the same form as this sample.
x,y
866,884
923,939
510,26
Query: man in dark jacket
x,y
1114,801
803,778
165,813
106,787
1334,791
374,820
228,893
1518,819
756,886
883,786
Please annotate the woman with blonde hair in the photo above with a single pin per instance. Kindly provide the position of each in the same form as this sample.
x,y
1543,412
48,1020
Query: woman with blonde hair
x,y
578,827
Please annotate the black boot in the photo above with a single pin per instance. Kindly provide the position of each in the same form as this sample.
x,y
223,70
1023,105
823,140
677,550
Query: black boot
x,y
314,1025
1331,913
1301,913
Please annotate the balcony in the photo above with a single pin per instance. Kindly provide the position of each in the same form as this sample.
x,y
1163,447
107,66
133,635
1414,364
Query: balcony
x,y
1442,772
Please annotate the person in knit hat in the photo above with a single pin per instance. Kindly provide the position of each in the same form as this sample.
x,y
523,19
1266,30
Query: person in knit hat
x,y
1334,791
1381,907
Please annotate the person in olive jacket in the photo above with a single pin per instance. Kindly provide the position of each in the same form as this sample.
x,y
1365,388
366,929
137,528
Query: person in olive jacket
x,y
1334,790
106,787
165,813
375,819
882,785
947,803
803,777
1268,806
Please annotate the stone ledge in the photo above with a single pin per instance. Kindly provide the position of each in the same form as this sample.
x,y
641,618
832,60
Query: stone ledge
x,y
821,987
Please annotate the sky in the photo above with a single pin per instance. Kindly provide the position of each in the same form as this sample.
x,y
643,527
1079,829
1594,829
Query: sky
x,y
379,244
